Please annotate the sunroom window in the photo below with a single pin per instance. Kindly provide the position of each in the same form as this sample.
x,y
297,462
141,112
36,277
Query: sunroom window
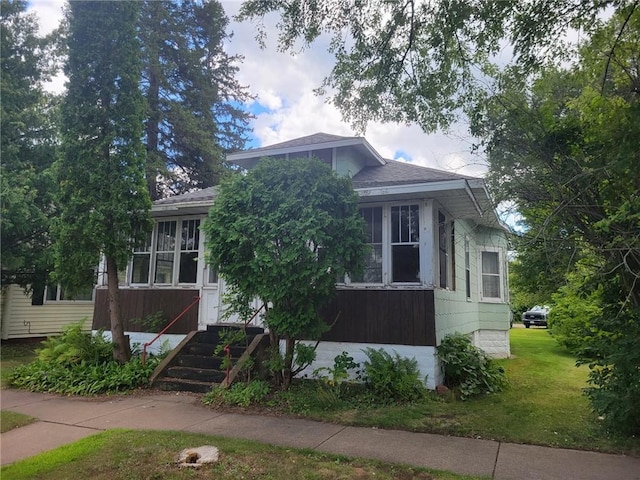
x,y
141,262
405,244
372,272
165,246
190,240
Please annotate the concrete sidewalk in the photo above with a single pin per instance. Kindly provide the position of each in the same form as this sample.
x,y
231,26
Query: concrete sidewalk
x,y
64,420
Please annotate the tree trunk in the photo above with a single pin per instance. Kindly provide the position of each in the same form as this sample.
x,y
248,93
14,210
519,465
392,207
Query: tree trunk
x,y
288,363
122,349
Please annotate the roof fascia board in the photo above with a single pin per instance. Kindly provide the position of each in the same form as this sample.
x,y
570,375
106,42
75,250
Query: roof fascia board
x,y
180,205
267,152
412,188
472,197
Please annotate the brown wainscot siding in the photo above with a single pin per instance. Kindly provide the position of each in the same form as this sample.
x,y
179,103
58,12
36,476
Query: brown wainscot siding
x,y
400,317
138,303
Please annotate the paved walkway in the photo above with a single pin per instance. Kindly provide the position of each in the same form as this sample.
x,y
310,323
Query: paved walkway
x,y
63,420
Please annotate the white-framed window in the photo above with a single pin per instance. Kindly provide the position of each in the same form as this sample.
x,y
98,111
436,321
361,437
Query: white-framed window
x,y
189,245
405,244
491,272
467,267
141,263
393,235
165,252
372,272
446,252
170,255
55,293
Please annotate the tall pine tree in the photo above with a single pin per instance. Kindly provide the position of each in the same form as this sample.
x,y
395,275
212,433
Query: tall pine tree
x,y
28,146
103,196
194,102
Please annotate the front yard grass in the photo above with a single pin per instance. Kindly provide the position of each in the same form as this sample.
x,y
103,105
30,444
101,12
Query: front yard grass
x,y
126,454
10,420
14,354
543,404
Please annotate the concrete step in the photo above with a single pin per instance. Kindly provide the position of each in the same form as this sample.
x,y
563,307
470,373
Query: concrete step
x,y
197,374
199,361
183,385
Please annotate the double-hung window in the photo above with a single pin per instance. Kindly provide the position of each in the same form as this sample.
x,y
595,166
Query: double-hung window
x,y
189,243
405,244
141,262
467,267
372,272
165,252
491,275
169,256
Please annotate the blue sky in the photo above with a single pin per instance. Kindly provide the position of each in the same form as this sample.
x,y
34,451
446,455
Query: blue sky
x,y
286,106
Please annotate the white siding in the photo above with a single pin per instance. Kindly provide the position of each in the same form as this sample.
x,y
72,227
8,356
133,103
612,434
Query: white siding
x,y
20,319
425,356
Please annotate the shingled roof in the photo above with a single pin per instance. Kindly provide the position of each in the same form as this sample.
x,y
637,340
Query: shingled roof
x,y
402,173
204,195
315,139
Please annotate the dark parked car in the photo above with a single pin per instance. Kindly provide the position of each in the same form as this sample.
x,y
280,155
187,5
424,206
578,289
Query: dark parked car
x,y
536,316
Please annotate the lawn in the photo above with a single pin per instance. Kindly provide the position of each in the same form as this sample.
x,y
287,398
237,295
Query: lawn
x,y
543,405
125,454
14,354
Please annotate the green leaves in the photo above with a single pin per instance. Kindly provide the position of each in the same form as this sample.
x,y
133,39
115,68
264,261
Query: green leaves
x,y
467,369
283,233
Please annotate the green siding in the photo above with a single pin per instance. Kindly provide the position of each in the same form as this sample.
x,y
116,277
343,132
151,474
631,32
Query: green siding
x,y
453,312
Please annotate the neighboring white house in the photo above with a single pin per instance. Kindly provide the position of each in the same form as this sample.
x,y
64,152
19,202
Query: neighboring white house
x,y
438,262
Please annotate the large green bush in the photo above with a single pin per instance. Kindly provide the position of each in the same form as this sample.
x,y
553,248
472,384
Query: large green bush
x,y
392,377
79,363
467,369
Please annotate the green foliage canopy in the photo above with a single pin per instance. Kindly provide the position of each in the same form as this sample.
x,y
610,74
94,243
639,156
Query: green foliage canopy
x,y
194,114
28,145
283,233
424,61
103,195
566,151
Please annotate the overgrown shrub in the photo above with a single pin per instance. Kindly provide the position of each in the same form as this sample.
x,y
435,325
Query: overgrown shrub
x,y
392,377
79,363
467,369
614,364
75,345
83,378
576,306
238,394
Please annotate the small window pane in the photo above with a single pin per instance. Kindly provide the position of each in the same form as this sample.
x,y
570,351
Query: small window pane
x,y
52,292
406,263
164,268
490,263
372,272
325,155
85,294
491,286
140,268
188,267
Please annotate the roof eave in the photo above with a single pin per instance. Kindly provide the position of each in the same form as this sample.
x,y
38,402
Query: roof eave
x,y
246,158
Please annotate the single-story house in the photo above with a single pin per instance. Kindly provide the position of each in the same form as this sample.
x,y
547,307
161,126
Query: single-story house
x,y
438,262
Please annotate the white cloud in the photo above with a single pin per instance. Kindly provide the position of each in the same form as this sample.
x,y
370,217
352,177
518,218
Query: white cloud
x,y
49,14
284,85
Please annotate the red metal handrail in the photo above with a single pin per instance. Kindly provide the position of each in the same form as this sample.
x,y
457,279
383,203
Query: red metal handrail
x,y
167,327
